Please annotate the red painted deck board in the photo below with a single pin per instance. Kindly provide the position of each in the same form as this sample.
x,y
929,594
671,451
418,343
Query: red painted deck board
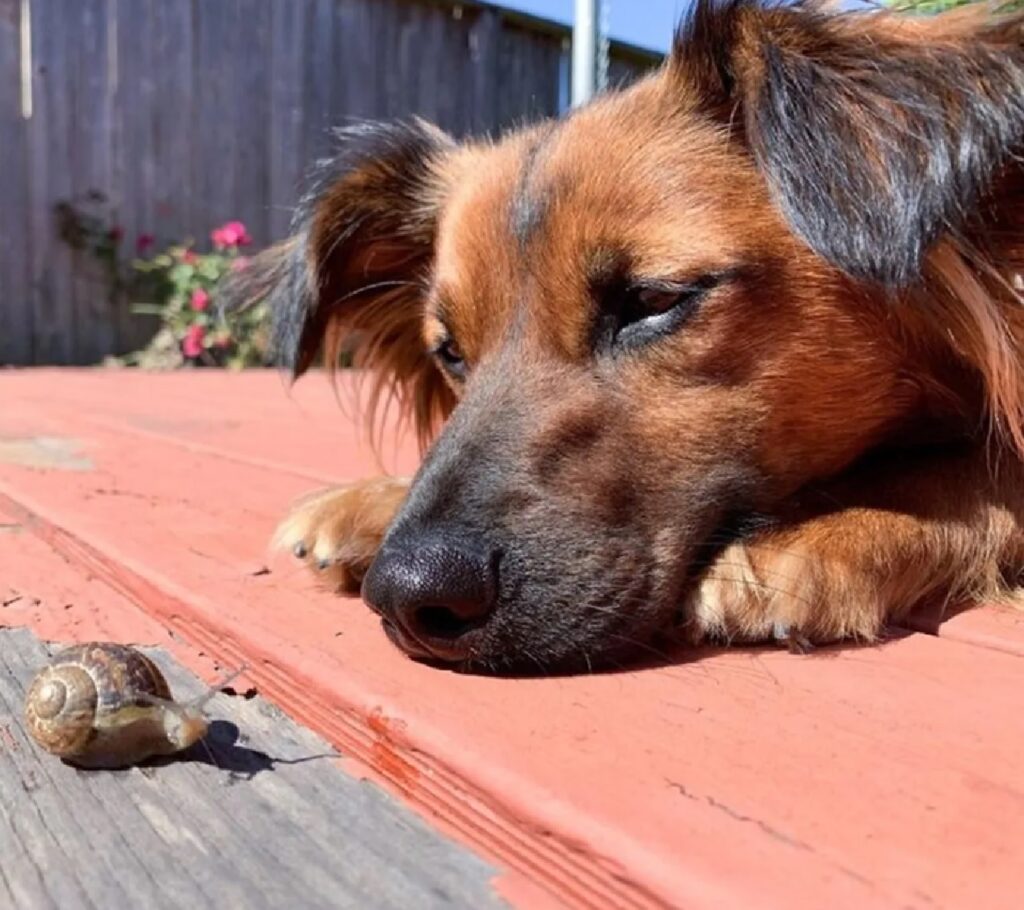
x,y
883,776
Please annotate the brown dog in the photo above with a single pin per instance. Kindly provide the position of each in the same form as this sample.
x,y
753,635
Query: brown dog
x,y
734,353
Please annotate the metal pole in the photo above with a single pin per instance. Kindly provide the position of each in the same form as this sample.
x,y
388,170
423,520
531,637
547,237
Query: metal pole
x,y
584,52
604,42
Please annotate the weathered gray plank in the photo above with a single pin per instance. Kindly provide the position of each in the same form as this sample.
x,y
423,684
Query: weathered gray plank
x,y
320,82
624,70
173,125
286,163
273,824
92,81
214,116
15,306
353,73
248,114
443,94
389,64
50,141
529,63
132,143
156,63
482,72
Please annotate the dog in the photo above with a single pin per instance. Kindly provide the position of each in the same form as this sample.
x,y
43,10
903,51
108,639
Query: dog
x,y
732,354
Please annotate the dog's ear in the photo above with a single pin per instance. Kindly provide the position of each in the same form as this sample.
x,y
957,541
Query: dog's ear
x,y
351,279
876,133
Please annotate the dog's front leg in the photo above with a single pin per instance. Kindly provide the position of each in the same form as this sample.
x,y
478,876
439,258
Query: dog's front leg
x,y
338,531
846,558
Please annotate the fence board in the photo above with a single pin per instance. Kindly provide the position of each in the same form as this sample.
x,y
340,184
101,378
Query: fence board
x,y
354,73
133,196
324,70
529,73
91,125
154,120
481,72
15,310
186,113
288,36
214,147
250,80
50,141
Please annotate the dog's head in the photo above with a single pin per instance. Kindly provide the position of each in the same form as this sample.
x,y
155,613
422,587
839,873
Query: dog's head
x,y
649,320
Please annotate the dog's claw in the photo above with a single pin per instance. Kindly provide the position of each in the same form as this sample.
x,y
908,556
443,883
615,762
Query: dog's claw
x,y
323,564
299,550
793,639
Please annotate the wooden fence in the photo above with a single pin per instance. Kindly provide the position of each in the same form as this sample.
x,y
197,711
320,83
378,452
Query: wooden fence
x,y
187,113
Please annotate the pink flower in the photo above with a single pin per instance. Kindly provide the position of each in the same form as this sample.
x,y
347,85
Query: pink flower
x,y
231,234
143,243
200,300
240,263
192,345
189,257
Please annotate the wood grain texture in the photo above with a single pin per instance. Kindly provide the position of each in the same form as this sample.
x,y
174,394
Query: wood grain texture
x,y
92,60
16,330
50,142
258,817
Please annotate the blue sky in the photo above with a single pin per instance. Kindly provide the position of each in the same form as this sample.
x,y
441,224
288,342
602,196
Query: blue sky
x,y
648,23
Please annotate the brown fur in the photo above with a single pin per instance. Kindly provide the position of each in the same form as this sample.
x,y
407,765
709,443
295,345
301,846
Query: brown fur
x,y
865,418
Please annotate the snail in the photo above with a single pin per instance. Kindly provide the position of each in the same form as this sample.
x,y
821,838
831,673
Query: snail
x,y
104,705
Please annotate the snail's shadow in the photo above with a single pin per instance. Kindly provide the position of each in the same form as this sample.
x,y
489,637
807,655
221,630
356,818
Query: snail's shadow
x,y
222,749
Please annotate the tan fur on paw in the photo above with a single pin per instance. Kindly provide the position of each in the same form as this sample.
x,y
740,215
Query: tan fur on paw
x,y
337,531
783,588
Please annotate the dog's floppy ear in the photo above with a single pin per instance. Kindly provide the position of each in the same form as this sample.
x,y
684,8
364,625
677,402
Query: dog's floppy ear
x,y
877,134
351,278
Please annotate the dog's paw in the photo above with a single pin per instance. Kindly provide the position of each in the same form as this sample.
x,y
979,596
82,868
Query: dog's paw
x,y
791,589
338,531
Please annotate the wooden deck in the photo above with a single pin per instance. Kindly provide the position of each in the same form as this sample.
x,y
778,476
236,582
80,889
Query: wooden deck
x,y
137,507
257,819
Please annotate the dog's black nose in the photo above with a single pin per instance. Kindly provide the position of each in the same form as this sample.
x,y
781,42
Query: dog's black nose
x,y
435,590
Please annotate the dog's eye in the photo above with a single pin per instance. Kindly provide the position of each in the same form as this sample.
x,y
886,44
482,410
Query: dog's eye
x,y
450,356
652,301
649,311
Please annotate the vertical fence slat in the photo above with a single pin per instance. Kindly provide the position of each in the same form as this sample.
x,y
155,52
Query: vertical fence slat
x,y
353,69
50,142
320,82
93,75
288,36
250,78
173,123
214,119
482,73
15,236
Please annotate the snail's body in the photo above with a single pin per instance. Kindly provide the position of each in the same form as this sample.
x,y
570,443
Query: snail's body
x,y
102,705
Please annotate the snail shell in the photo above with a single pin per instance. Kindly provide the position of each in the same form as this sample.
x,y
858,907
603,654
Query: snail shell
x,y
103,705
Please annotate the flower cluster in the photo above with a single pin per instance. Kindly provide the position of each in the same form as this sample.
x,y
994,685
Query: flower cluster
x,y
178,285
187,283
230,236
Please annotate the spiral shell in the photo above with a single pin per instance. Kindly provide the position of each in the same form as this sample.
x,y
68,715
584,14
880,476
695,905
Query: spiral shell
x,y
87,689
